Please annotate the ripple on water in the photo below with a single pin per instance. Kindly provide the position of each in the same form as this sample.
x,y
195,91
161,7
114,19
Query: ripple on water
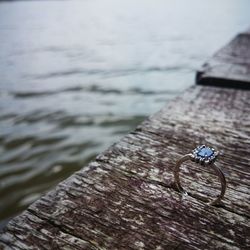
x,y
71,89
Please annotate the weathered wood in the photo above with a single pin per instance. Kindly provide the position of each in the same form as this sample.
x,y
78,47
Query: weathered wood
x,y
230,66
126,199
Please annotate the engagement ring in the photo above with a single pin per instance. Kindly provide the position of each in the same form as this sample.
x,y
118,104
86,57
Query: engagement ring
x,y
204,156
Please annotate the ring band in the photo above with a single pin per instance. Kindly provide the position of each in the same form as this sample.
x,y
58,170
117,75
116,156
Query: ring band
x,y
205,156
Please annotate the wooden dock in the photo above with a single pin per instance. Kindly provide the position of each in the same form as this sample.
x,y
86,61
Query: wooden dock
x,y
126,199
230,66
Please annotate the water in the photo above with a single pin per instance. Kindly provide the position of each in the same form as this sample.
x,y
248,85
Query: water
x,y
75,76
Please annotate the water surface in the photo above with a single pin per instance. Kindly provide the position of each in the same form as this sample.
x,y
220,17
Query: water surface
x,y
75,76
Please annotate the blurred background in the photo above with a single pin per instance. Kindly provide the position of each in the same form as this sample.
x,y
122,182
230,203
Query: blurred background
x,y
75,76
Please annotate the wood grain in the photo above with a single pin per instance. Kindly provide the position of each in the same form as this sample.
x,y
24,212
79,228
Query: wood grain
x,y
126,199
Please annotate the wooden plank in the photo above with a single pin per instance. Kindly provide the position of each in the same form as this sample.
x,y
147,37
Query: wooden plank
x,y
126,199
230,66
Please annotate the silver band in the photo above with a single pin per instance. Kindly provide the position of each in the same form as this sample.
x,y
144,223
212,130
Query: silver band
x,y
220,174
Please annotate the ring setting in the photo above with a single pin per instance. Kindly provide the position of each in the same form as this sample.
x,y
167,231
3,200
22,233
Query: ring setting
x,y
205,156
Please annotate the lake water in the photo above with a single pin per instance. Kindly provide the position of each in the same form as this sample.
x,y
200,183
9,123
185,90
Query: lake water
x,y
75,76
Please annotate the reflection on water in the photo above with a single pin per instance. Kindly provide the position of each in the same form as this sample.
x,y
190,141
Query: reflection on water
x,y
76,76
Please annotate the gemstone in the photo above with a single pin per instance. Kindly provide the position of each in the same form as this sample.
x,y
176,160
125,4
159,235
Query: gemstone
x,y
205,152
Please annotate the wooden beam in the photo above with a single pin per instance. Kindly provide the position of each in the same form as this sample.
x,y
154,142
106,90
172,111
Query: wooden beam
x,y
126,199
230,66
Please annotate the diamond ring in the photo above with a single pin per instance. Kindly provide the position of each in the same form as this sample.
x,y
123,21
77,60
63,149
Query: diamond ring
x,y
205,156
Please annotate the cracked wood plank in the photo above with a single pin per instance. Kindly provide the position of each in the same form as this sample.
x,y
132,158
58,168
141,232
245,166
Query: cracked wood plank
x,y
230,66
126,199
